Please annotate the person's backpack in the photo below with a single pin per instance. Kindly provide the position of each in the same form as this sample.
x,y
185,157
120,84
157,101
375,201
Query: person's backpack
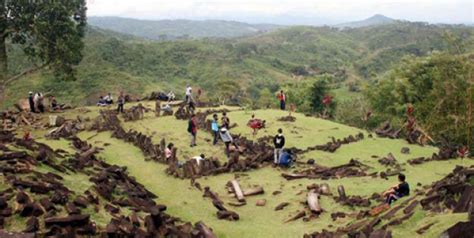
x,y
190,126
286,159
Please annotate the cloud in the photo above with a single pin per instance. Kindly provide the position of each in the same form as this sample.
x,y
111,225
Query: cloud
x,y
450,11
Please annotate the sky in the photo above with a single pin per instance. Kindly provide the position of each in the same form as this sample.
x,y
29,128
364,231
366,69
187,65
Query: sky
x,y
310,12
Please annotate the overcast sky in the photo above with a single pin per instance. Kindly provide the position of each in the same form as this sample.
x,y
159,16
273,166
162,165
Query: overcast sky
x,y
288,11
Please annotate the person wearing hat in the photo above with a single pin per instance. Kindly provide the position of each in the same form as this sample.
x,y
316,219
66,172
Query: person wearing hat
x,y
31,102
227,139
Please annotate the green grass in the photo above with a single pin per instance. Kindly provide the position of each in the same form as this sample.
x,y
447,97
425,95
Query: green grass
x,y
187,202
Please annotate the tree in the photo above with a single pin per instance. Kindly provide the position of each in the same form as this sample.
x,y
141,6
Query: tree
x,y
318,91
439,87
265,98
225,90
49,31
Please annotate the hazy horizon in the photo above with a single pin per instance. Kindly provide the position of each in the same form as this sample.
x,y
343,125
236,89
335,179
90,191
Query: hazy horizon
x,y
286,12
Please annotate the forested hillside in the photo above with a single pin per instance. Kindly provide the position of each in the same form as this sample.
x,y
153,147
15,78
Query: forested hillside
x,y
257,64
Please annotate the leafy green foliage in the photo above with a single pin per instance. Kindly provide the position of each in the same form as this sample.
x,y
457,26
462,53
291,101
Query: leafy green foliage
x,y
438,87
114,62
49,30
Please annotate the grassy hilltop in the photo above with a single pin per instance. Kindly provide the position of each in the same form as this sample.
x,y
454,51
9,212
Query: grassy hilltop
x,y
186,202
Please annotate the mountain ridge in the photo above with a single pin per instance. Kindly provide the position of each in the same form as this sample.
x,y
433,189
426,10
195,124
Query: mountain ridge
x,y
180,28
375,20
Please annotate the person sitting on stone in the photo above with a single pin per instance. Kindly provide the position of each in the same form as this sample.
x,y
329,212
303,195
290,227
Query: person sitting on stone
x,y
398,191
55,106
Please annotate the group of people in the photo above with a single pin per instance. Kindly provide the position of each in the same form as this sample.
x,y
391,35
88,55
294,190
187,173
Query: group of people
x,y
219,132
108,100
36,103
105,100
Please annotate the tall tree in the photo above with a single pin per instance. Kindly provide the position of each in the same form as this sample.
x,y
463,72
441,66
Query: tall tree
x,y
50,31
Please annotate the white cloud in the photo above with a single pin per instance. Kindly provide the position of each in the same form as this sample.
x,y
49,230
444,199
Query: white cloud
x,y
450,11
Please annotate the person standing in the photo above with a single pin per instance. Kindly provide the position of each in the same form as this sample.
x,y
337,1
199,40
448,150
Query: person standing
x,y
31,102
157,108
282,98
120,102
192,129
227,139
40,102
225,120
279,143
215,128
189,92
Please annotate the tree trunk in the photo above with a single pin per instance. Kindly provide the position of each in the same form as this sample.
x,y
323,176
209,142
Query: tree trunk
x,y
3,69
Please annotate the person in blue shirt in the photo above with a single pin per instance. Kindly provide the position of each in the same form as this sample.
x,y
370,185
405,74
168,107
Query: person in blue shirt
x,y
215,128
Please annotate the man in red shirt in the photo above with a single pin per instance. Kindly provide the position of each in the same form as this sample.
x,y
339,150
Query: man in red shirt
x,y
282,98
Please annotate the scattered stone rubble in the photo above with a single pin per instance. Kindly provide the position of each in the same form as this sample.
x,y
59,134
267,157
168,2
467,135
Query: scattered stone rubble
x,y
256,154
446,152
352,169
43,195
333,145
386,130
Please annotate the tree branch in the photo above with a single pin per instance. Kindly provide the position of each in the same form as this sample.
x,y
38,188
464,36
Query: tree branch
x,y
26,72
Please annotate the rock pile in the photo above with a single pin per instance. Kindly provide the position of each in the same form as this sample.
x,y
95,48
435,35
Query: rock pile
x,y
68,128
333,145
386,130
452,192
352,169
12,120
135,113
287,119
257,153
446,152
42,197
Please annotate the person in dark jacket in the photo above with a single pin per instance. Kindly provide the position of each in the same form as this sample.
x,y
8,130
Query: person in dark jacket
x,y
31,102
121,103
192,129
225,120
279,143
394,193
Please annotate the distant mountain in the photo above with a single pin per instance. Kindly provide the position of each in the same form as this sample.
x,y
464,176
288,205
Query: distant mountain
x,y
375,20
180,29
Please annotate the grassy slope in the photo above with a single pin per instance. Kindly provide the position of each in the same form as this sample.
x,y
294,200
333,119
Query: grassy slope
x,y
187,202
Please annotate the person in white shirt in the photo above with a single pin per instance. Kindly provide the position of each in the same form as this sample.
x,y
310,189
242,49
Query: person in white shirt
x,y
189,92
108,99
171,96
